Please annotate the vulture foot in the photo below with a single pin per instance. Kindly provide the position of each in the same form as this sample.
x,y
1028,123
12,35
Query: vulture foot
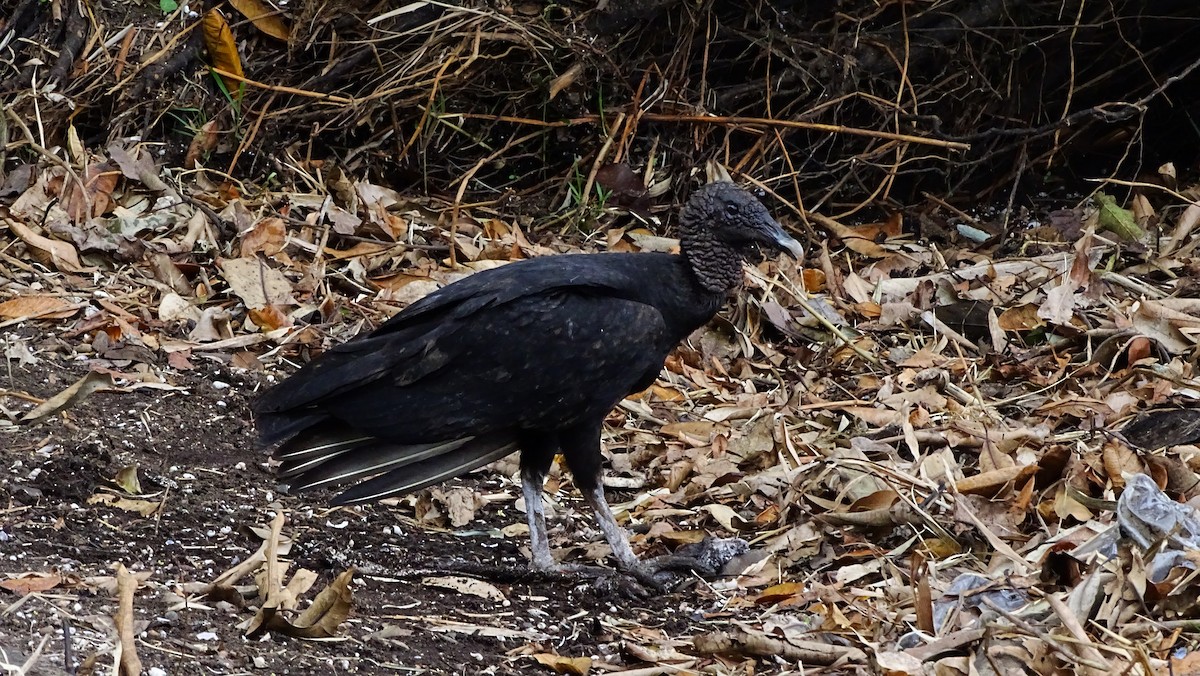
x,y
706,559
667,573
663,574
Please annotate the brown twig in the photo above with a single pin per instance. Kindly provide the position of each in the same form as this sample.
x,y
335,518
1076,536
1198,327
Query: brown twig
x,y
253,133
127,584
733,120
331,98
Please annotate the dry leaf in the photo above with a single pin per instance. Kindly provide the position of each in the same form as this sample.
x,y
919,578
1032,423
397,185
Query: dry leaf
x,y
321,619
127,480
32,582
624,185
213,325
274,542
679,537
1020,318
728,518
865,239
94,381
174,307
647,241
780,592
41,307
701,430
179,360
895,663
1059,307
267,236
138,165
203,142
577,666
264,17
222,47
143,507
466,585
269,318
744,642
58,253
18,350
100,178
990,482
75,146
460,504
255,282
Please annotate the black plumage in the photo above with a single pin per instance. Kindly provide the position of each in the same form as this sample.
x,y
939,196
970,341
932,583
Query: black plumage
x,y
530,356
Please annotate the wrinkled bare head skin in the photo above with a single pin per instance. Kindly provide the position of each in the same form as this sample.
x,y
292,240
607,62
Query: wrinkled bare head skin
x,y
721,224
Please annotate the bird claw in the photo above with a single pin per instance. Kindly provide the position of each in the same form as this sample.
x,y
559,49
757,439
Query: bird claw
x,y
650,576
663,574
643,579
638,582
638,586
705,558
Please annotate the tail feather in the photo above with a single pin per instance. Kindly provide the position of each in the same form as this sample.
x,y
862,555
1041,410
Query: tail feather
x,y
472,454
274,428
343,465
318,451
294,467
325,442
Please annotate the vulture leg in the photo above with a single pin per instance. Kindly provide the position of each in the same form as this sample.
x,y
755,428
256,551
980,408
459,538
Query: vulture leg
x,y
531,488
613,533
581,448
537,452
660,572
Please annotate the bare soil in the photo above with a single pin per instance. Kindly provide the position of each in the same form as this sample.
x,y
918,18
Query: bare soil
x,y
195,446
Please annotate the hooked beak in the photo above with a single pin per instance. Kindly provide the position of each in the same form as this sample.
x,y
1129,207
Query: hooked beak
x,y
784,242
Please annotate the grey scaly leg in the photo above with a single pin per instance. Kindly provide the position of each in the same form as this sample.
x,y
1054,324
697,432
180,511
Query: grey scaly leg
x,y
617,539
535,515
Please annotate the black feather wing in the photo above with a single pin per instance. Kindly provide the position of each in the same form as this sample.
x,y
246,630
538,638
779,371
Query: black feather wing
x,y
537,362
533,343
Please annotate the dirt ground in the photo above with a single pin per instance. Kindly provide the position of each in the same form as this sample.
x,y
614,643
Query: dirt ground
x,y
195,450
925,428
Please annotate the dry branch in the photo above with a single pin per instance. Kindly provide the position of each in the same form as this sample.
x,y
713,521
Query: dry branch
x,y
127,583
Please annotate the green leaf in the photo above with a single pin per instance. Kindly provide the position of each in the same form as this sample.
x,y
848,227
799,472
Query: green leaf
x,y
168,6
1117,220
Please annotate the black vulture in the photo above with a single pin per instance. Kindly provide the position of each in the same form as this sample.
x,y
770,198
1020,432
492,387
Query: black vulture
x,y
529,356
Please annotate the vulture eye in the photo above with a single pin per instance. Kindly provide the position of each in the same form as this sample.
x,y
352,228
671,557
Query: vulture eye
x,y
731,209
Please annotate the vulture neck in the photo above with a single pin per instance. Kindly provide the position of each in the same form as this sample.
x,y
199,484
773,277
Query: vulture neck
x,y
716,265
